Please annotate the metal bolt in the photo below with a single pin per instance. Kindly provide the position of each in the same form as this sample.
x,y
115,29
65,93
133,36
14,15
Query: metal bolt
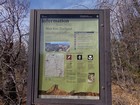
x,y
103,87
102,25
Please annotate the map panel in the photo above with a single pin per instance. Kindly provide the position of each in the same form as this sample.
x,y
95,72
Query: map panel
x,y
54,65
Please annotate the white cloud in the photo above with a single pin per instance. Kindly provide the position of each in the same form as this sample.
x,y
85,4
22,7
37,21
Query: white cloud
x,y
63,4
86,4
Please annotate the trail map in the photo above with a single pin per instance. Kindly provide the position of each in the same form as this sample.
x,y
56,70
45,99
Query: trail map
x,y
54,65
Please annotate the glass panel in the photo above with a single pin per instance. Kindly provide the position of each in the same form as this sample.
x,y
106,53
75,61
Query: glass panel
x,y
69,57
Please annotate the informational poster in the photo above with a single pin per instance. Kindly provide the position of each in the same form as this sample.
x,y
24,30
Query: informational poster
x,y
69,57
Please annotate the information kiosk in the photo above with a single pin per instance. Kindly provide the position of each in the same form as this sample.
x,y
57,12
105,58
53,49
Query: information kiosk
x,y
69,60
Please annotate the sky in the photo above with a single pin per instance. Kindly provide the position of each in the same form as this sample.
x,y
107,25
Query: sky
x,y
62,4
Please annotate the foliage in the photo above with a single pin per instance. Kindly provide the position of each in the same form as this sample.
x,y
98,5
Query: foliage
x,y
125,47
13,51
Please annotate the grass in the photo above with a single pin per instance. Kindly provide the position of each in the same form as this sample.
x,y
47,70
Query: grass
x,y
123,96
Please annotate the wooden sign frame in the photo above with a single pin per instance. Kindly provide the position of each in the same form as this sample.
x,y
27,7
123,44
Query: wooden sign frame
x,y
104,59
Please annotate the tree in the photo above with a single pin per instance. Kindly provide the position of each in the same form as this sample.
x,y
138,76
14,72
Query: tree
x,y
13,50
125,48
125,38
